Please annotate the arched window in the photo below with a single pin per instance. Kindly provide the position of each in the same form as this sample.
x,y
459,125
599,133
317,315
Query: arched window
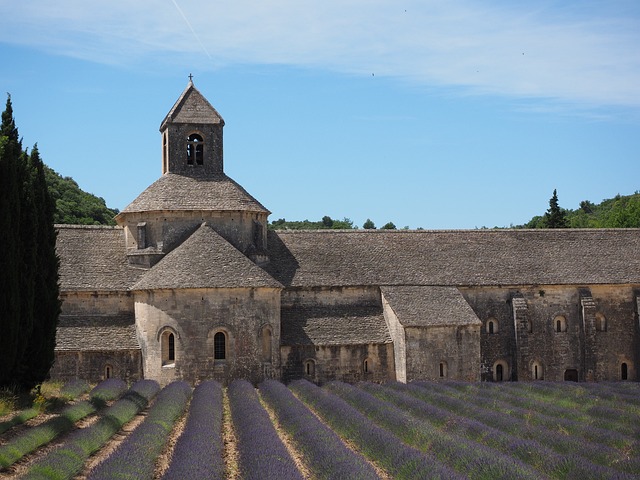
x,y
492,326
443,370
560,324
537,373
309,368
220,346
500,371
108,371
601,323
266,343
195,150
624,372
367,366
168,347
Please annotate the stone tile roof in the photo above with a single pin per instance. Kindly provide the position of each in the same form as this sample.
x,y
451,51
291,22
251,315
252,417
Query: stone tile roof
x,y
333,325
96,333
93,258
178,192
205,260
192,107
454,257
418,306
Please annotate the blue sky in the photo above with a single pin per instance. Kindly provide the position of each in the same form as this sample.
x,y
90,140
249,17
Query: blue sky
x,y
429,114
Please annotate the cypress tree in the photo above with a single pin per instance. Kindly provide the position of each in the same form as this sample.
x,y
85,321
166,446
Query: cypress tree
x,y
10,252
555,217
39,354
29,292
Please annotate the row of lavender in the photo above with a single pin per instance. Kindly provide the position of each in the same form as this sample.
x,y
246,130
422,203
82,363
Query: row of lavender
x,y
420,430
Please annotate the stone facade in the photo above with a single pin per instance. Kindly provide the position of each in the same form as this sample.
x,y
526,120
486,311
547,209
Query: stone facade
x,y
192,286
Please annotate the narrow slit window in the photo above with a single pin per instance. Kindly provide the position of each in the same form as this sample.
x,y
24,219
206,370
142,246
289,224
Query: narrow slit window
x,y
219,346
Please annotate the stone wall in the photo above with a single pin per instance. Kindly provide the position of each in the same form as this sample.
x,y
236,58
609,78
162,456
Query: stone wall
x,y
443,352
164,231
96,303
194,317
345,363
95,366
554,333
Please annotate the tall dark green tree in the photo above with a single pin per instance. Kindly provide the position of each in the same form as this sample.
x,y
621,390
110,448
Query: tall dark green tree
x,y
39,353
29,292
10,252
555,217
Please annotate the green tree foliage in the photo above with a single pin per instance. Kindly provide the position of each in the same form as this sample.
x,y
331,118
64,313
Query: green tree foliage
x,y
327,223
369,225
73,205
622,211
555,217
389,226
29,305
10,252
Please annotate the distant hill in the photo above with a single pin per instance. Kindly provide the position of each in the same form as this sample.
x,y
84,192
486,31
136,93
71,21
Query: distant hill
x,y
75,206
622,211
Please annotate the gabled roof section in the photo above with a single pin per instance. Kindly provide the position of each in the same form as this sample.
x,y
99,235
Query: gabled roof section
x,y
173,192
192,107
429,306
205,260
507,257
92,259
333,325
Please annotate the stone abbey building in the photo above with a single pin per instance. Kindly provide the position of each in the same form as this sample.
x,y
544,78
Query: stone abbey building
x,y
191,285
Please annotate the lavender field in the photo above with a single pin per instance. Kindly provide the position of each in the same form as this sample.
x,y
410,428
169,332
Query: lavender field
x,y
421,430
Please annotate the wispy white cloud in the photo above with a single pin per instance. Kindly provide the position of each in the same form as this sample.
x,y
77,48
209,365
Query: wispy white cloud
x,y
582,53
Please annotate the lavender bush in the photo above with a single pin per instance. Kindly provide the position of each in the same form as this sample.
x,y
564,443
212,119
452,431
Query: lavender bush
x,y
42,434
379,445
107,390
262,453
74,388
198,452
68,459
325,453
135,457
465,456
19,418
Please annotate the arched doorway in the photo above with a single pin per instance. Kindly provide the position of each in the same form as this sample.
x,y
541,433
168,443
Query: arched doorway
x,y
571,375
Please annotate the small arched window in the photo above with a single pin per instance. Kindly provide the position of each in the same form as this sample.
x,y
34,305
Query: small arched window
x,y
367,366
560,324
537,372
601,323
195,150
266,343
443,370
108,371
310,368
168,347
500,371
492,326
624,372
220,346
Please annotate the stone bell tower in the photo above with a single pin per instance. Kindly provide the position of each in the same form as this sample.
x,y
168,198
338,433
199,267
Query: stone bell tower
x,y
192,136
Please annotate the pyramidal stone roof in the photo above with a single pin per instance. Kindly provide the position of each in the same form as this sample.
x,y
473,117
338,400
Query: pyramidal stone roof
x,y
173,192
192,107
417,306
205,260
